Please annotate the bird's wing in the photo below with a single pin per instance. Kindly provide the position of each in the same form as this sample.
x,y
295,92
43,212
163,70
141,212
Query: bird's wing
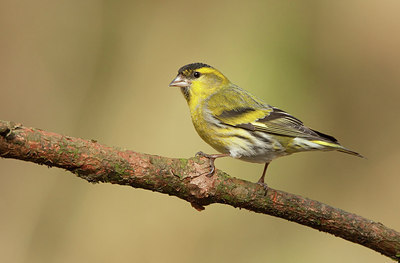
x,y
281,123
236,107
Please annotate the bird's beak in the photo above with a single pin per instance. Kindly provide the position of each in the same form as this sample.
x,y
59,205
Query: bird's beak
x,y
180,82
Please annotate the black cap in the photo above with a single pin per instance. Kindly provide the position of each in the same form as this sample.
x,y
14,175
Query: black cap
x,y
193,66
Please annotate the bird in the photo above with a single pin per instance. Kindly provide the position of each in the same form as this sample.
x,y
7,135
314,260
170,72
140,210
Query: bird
x,y
237,124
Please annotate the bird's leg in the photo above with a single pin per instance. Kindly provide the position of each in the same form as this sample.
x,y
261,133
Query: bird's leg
x,y
212,158
261,180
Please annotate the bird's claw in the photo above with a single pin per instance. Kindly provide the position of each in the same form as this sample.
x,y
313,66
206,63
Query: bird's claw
x,y
264,185
211,158
201,154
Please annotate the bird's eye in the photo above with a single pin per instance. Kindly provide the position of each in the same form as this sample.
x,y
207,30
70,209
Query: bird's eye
x,y
196,74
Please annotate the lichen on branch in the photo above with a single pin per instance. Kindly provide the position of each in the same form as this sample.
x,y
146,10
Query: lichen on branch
x,y
188,179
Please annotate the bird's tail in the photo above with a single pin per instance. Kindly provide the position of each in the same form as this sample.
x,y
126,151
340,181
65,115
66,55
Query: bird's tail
x,y
336,146
344,150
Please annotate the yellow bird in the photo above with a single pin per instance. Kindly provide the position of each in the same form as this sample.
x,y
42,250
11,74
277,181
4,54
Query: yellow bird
x,y
237,124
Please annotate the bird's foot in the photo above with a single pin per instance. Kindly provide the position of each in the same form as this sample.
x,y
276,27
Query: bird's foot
x,y
212,158
262,178
264,185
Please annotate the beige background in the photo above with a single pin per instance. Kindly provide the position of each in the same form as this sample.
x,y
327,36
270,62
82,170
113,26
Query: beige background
x,y
100,70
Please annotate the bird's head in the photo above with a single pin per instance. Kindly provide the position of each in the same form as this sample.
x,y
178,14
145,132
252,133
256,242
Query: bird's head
x,y
199,80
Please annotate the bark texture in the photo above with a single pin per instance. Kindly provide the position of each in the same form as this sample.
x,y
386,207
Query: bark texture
x,y
188,180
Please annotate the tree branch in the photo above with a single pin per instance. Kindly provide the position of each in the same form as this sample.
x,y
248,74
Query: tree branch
x,y
187,179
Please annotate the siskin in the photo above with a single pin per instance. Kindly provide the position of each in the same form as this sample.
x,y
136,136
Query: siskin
x,y
237,124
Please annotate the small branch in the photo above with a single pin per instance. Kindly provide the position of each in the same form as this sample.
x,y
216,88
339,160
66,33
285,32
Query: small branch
x,y
187,179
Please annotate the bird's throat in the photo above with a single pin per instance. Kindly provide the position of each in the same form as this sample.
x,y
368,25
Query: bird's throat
x,y
186,93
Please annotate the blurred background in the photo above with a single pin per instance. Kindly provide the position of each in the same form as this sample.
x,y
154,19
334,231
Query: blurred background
x,y
100,70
